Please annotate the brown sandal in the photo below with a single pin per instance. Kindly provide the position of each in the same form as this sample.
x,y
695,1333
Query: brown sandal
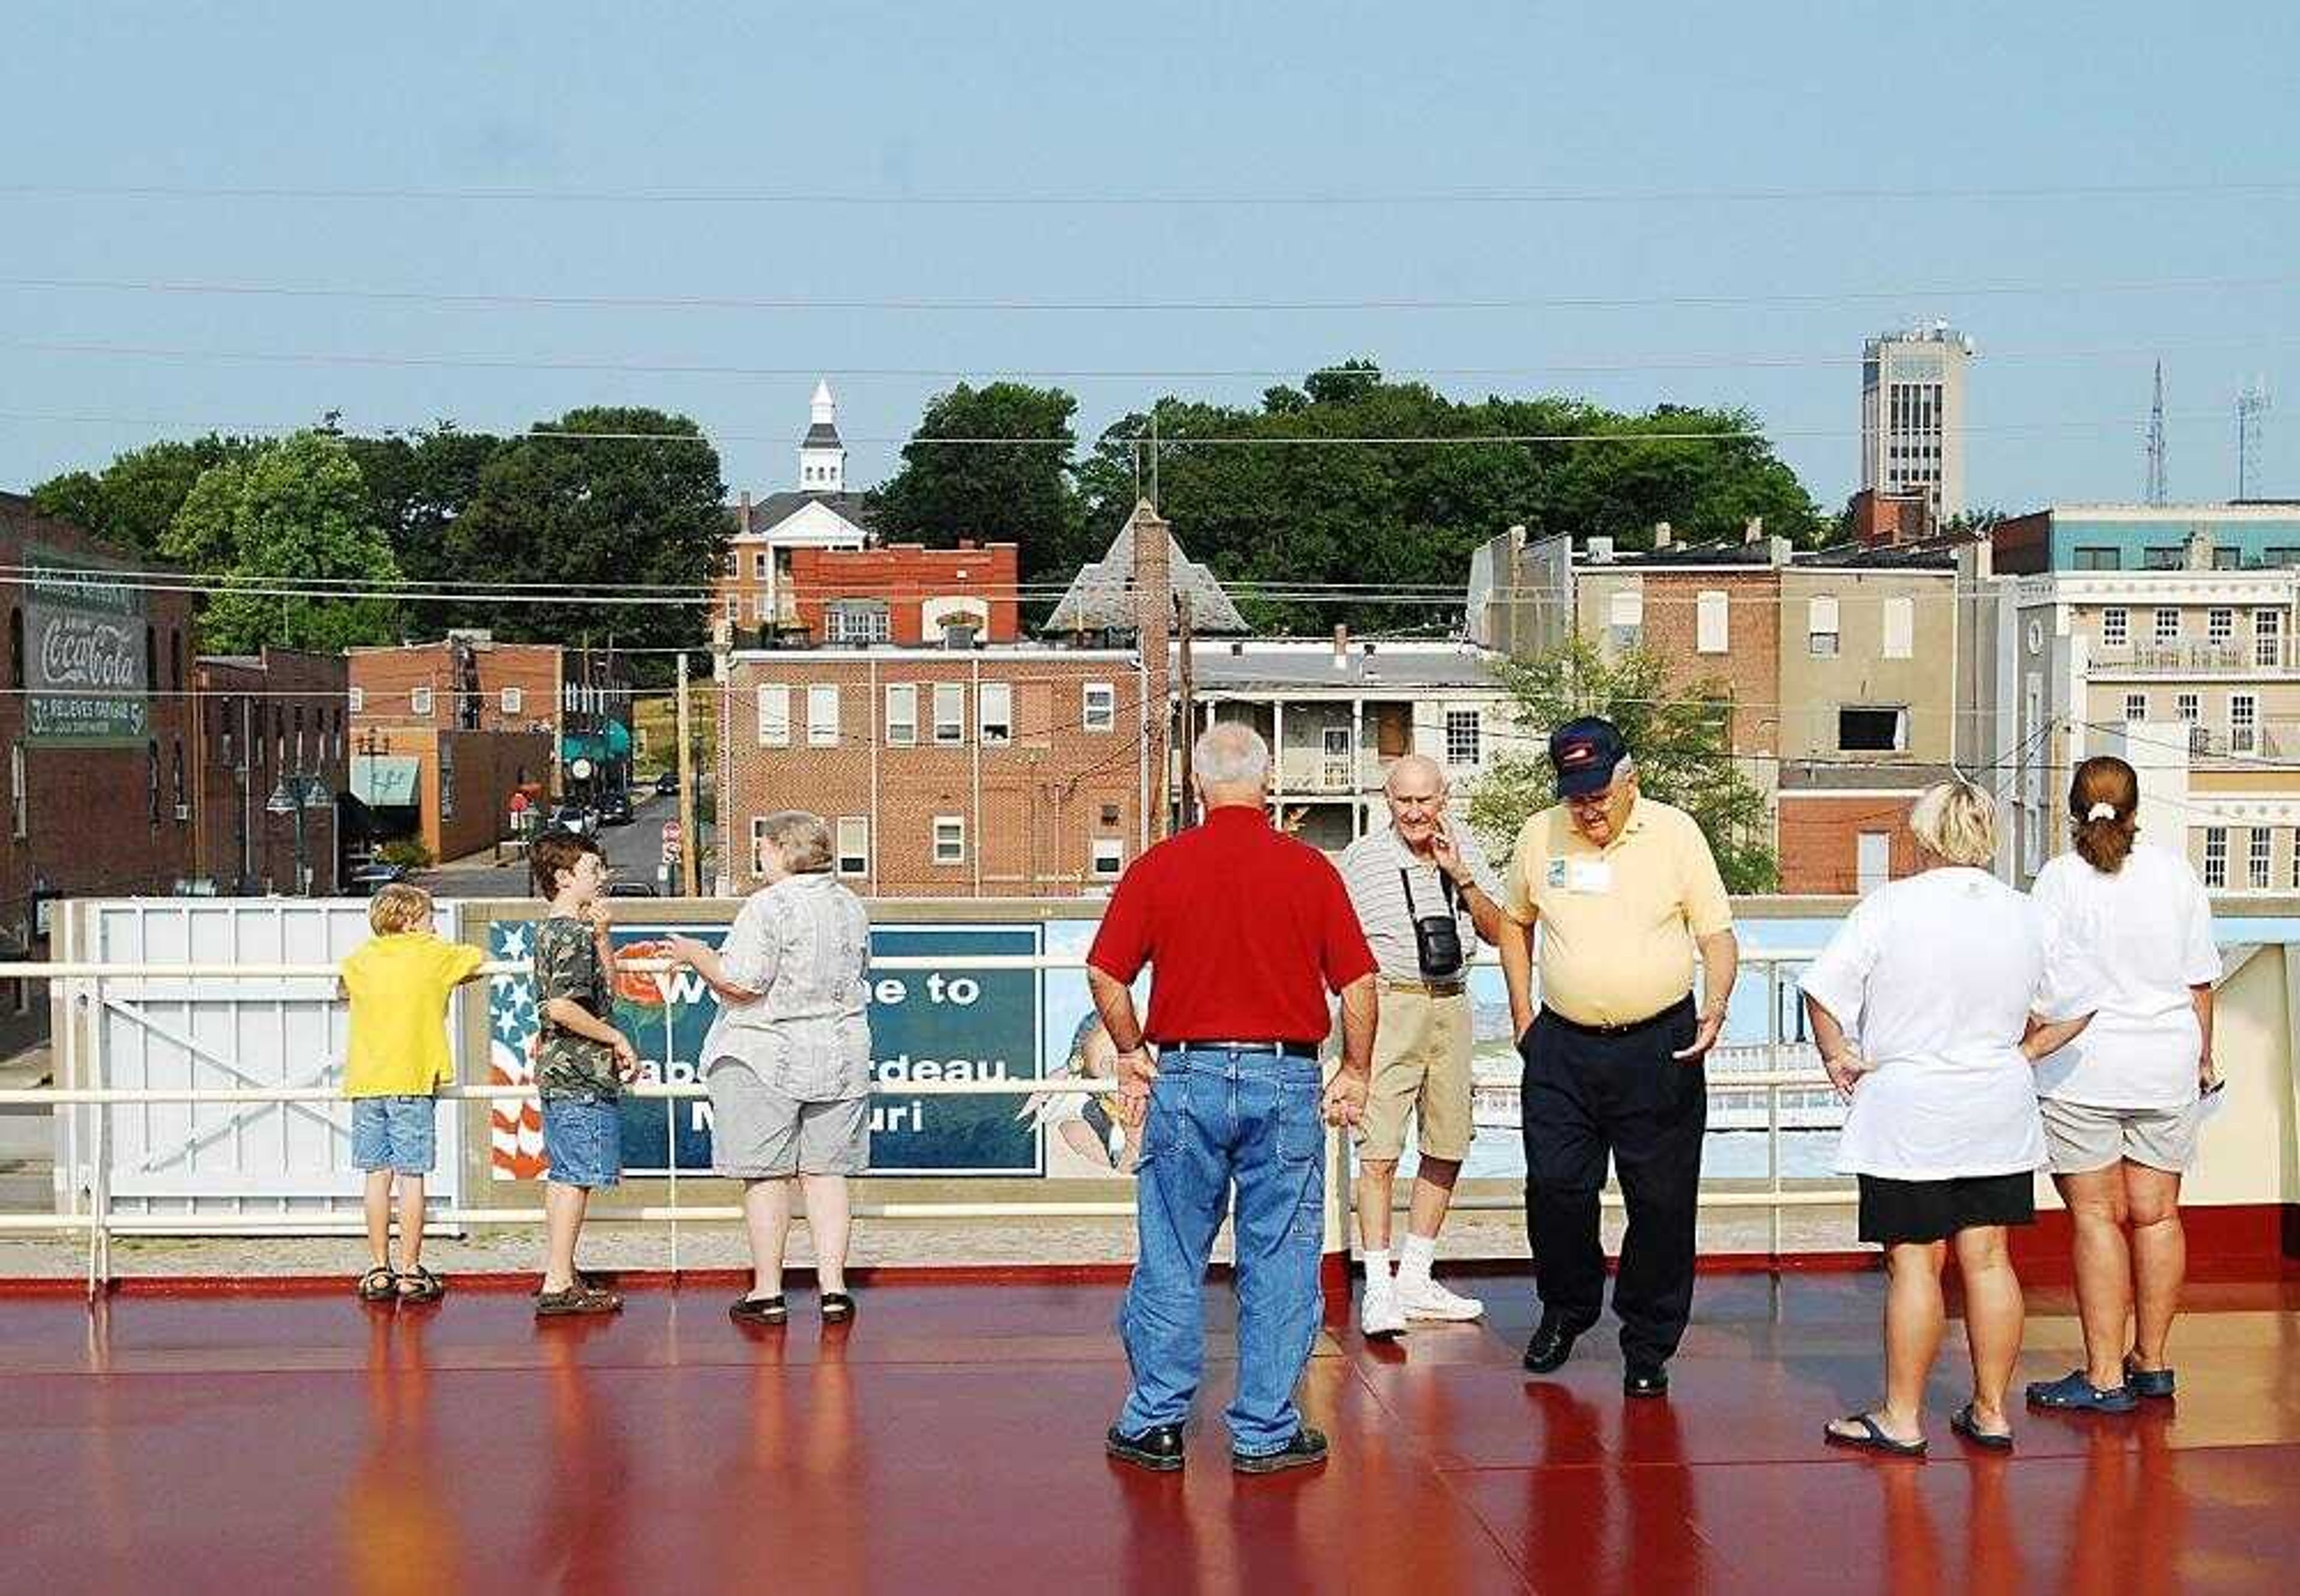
x,y
576,1299
419,1284
379,1285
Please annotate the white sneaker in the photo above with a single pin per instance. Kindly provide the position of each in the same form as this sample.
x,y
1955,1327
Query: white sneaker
x,y
1379,1315
1425,1299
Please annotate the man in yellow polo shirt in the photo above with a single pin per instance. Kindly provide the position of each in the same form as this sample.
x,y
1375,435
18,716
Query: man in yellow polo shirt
x,y
1625,891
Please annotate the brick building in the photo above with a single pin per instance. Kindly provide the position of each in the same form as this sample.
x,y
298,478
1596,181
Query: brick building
x,y
100,799
754,596
1013,772
444,733
259,722
904,594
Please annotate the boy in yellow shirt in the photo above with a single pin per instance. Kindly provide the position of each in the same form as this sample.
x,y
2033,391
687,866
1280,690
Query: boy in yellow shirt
x,y
399,984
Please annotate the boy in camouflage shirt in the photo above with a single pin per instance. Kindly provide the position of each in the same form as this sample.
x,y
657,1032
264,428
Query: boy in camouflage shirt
x,y
580,1061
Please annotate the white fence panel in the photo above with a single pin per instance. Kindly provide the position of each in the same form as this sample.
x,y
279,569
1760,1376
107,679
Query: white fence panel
x,y
221,1159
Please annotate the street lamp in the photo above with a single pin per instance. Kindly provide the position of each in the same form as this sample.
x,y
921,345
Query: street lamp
x,y
293,797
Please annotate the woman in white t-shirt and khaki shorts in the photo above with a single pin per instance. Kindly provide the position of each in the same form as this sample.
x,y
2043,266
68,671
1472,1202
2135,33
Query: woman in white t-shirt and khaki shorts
x,y
2121,1102
1928,1005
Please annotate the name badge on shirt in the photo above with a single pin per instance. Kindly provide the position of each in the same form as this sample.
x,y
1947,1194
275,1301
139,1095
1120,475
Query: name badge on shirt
x,y
1589,876
1557,872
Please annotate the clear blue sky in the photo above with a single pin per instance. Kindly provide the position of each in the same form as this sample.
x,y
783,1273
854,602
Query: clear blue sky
x,y
1180,98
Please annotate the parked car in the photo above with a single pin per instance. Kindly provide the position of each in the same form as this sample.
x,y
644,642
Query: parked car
x,y
577,818
629,887
367,878
666,785
615,810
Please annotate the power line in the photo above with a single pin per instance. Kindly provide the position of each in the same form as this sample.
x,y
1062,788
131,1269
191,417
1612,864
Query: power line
x,y
1004,306
1084,199
1684,363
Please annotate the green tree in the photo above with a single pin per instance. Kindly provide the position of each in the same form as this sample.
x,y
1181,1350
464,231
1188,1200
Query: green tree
x,y
295,509
418,485
1679,733
1271,506
631,499
133,501
1024,495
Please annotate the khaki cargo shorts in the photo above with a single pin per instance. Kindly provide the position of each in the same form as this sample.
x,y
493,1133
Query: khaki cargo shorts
x,y
2081,1138
1422,1069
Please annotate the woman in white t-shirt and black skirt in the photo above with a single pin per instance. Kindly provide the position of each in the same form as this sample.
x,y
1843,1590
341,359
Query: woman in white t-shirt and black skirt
x,y
1929,1006
2121,1102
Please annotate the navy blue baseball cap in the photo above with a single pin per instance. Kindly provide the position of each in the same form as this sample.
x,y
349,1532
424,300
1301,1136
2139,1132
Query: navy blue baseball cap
x,y
1586,753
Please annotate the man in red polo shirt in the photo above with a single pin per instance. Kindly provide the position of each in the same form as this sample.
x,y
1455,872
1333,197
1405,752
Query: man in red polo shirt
x,y
1246,931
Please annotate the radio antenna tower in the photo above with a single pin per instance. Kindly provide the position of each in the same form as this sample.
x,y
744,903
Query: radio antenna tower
x,y
2251,421
2156,440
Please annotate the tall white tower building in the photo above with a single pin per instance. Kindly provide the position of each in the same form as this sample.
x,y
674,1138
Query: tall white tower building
x,y
822,457
1913,415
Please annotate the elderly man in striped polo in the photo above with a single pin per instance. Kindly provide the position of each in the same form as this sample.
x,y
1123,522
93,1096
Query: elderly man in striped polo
x,y
1425,897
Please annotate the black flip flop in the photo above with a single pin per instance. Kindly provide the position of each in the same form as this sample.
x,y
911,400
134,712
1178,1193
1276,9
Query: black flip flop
x,y
1872,1438
838,1305
758,1310
1997,1440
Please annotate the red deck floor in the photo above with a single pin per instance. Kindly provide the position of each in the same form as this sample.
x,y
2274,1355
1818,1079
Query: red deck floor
x,y
949,1441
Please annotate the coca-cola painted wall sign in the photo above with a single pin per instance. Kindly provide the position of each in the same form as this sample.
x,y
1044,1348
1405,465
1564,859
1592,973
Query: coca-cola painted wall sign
x,y
84,654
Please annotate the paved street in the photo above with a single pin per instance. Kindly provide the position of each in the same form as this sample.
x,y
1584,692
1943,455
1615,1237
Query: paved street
x,y
633,852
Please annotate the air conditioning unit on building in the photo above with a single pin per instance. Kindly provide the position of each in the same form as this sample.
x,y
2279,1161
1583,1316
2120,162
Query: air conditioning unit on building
x,y
183,812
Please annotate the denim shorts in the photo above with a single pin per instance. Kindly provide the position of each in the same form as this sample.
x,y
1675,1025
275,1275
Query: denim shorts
x,y
582,1142
395,1133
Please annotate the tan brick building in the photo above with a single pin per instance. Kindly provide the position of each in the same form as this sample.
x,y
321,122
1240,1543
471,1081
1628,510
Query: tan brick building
x,y
1005,772
904,594
96,729
259,720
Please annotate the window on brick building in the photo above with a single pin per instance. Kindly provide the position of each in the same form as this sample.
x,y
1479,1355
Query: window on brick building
x,y
950,712
1863,729
822,715
759,558
856,621
183,800
152,781
2116,627
151,657
419,701
511,701
355,700
16,646
994,702
1098,708
176,659
950,839
1712,612
902,714
774,715
1821,627
1109,858
1110,814
853,846
20,796
1900,628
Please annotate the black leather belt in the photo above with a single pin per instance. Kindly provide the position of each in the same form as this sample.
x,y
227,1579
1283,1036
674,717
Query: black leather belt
x,y
1284,1050
1631,1028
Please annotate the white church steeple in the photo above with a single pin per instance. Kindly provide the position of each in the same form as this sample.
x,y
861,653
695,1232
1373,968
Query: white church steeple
x,y
822,457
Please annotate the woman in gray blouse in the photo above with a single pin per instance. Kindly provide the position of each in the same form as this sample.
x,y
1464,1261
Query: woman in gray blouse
x,y
788,1062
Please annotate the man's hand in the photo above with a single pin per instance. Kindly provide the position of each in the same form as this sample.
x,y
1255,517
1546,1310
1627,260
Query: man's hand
x,y
598,916
1445,853
1704,1039
1345,1098
627,1058
2208,1075
1845,1071
1136,1071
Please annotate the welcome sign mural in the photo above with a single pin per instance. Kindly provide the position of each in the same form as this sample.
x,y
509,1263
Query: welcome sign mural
x,y
84,666
926,1024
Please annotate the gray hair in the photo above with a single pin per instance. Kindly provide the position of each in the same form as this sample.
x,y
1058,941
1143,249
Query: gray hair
x,y
801,837
1406,762
1230,753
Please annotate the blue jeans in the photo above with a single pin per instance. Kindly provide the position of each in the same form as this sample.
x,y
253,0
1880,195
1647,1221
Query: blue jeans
x,y
1218,1117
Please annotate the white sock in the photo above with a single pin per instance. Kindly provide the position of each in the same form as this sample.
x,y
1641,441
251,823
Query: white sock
x,y
1377,1267
1420,1252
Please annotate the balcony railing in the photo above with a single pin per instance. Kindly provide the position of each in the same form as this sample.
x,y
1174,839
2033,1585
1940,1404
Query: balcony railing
x,y
2234,657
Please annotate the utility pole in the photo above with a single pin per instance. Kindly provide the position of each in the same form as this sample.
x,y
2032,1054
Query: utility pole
x,y
1185,689
689,844
2156,490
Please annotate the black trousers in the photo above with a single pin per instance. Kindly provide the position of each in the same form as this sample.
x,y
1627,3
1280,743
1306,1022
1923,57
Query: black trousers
x,y
1586,1096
